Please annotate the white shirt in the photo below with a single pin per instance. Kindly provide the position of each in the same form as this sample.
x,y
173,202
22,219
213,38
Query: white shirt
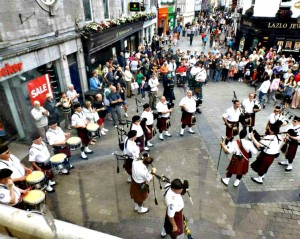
x,y
231,114
127,75
153,83
149,116
5,195
140,173
233,147
89,113
138,129
249,104
72,94
273,144
265,86
172,66
189,103
131,149
56,135
274,117
79,119
162,108
40,119
173,201
14,164
39,153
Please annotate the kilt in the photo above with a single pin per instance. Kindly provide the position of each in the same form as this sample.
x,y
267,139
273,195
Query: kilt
x,y
252,120
262,163
100,121
291,151
162,124
136,194
238,166
46,168
128,165
65,150
178,218
83,134
140,141
230,132
149,136
186,118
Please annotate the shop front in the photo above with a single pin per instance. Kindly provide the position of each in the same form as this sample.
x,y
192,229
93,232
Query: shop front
x,y
171,18
162,21
149,28
99,47
269,32
29,73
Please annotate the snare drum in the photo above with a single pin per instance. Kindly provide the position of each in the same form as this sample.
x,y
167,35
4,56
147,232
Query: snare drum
x,y
57,161
93,130
74,143
34,200
37,179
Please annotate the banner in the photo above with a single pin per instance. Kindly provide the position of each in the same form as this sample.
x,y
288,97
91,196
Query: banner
x,y
38,88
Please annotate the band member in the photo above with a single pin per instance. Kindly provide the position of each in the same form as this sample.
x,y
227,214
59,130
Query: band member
x,y
292,140
132,151
269,146
169,89
79,122
231,119
173,225
188,108
39,157
58,139
199,74
276,119
139,188
163,118
140,137
10,161
251,107
9,193
241,150
147,124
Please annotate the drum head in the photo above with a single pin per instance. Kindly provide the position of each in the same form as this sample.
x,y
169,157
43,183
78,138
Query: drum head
x,y
92,127
35,177
58,158
34,197
73,141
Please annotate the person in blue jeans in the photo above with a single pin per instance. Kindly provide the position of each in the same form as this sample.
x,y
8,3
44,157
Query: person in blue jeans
x,y
263,89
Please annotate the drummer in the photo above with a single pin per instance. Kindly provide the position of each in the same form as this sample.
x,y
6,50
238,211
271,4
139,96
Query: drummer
x,y
147,124
9,193
10,161
140,137
39,157
79,122
57,139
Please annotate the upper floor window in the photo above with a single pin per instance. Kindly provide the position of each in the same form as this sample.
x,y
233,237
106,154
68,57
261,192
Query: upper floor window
x,y
87,6
106,9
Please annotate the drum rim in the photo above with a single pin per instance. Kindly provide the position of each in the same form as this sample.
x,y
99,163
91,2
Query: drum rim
x,y
42,194
35,172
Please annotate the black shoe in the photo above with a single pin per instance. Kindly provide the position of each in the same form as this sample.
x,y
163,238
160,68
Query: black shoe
x,y
71,166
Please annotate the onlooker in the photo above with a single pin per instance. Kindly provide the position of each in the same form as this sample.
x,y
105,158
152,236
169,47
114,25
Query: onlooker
x,y
40,116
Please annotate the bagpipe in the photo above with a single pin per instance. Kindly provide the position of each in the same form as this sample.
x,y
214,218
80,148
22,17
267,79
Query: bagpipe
x,y
139,104
186,229
120,157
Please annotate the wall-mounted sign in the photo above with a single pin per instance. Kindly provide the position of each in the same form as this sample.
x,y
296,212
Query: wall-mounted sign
x,y
10,69
39,88
279,25
134,6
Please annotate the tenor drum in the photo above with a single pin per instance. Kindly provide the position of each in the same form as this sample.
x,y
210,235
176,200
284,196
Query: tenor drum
x,y
34,200
57,161
74,143
36,179
93,129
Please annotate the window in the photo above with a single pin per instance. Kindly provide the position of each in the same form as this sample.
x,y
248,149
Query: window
x,y
105,7
87,10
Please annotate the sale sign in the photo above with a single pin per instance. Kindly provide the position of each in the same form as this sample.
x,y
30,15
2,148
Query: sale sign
x,y
39,88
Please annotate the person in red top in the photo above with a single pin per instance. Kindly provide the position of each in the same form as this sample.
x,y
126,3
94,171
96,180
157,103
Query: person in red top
x,y
181,74
297,77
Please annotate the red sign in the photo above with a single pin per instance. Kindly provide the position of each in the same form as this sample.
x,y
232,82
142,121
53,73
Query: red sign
x,y
39,88
10,69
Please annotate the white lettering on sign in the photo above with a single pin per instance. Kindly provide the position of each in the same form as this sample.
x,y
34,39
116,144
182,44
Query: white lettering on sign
x,y
39,90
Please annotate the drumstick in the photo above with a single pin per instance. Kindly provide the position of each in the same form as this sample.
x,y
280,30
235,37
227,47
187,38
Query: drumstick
x,y
24,194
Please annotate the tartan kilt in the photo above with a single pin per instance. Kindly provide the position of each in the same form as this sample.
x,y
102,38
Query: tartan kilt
x,y
186,118
291,151
262,163
178,218
128,165
83,134
65,150
162,124
238,166
149,136
140,141
229,131
136,194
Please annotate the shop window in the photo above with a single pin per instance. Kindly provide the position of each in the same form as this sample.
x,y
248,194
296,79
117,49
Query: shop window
x,y
87,6
106,9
